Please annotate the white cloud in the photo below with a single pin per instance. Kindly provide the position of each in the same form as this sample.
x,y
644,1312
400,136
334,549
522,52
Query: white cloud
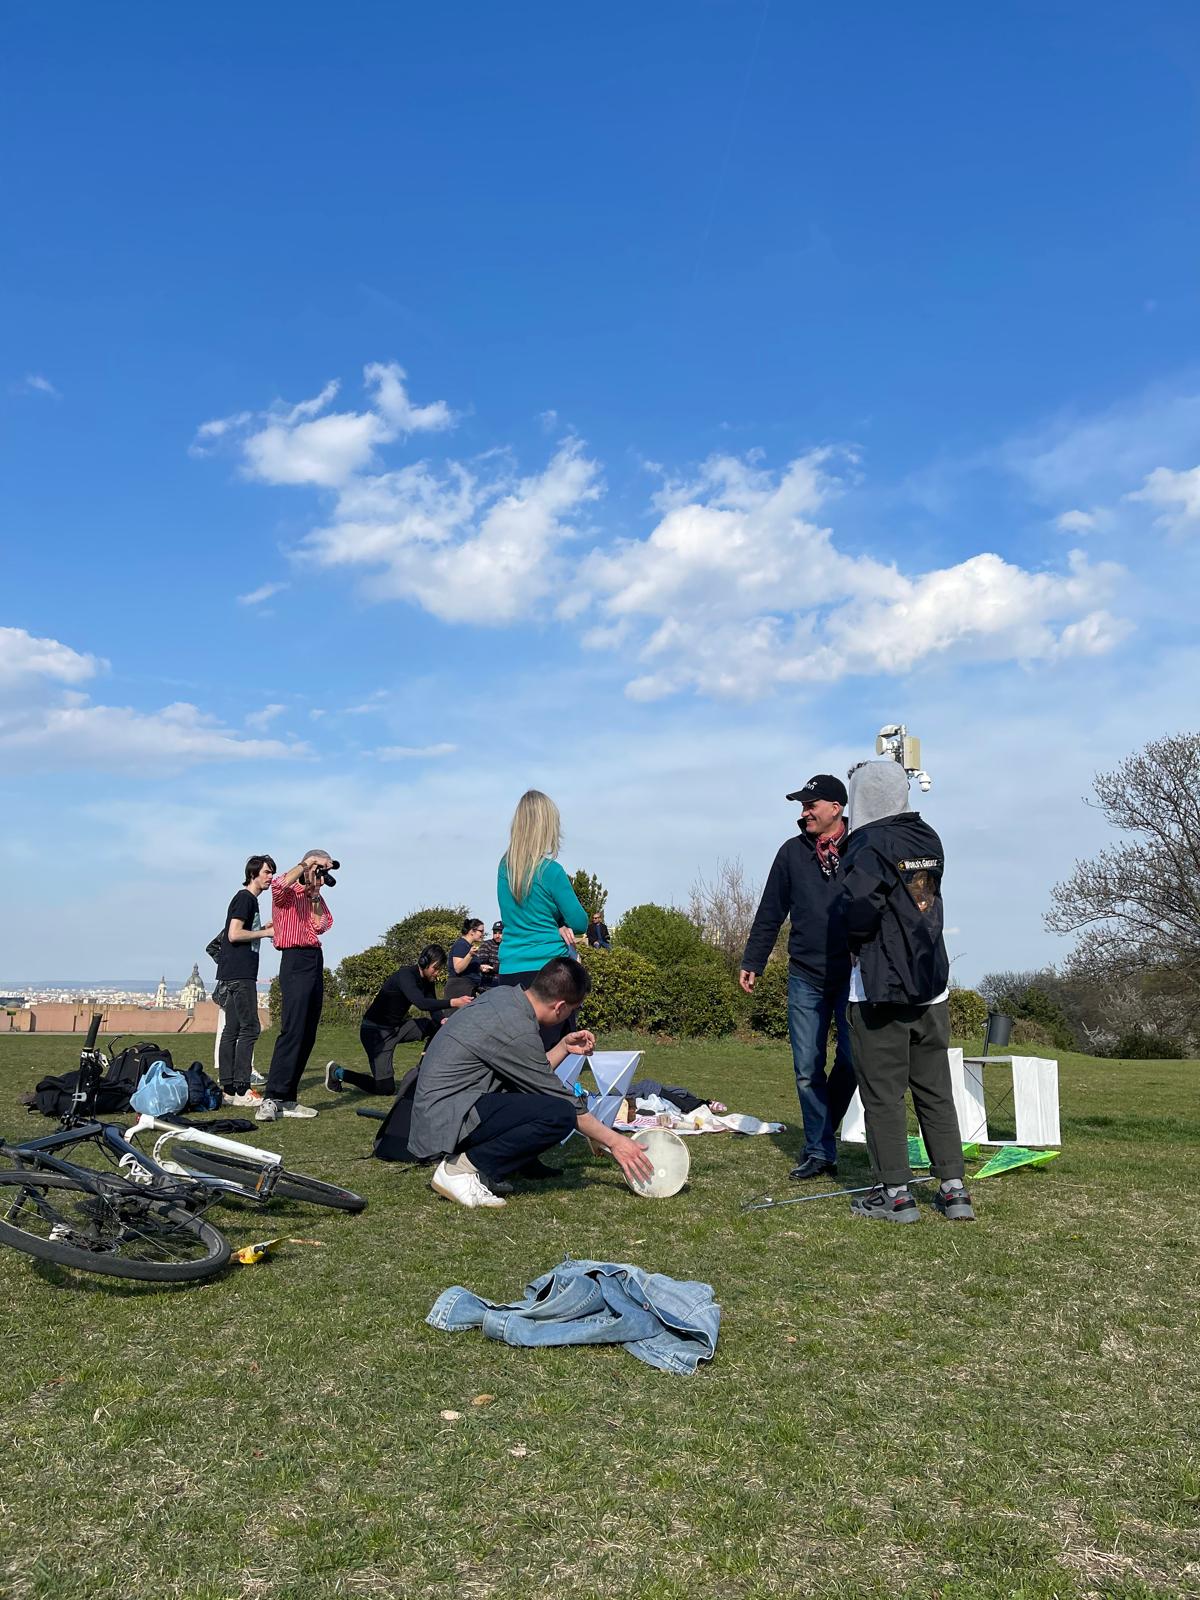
x,y
308,444
263,592
1076,522
1177,494
466,546
35,383
75,735
261,720
737,591
49,722
410,752
22,657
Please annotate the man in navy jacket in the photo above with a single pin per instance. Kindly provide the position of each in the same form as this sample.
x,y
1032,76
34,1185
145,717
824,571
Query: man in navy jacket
x,y
803,885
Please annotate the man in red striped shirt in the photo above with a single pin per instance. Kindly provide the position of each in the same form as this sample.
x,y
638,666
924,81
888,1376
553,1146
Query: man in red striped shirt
x,y
301,916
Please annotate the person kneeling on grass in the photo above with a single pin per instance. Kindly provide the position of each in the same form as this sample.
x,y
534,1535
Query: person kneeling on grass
x,y
387,1022
487,1100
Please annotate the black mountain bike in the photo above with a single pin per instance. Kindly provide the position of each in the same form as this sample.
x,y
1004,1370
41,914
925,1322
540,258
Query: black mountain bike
x,y
130,1213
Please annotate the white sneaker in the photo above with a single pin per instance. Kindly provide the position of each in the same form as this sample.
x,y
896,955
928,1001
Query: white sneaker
x,y
256,1078
250,1097
293,1108
269,1111
468,1188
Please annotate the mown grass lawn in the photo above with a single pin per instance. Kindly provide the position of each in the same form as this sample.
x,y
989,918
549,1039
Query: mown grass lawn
x,y
967,1413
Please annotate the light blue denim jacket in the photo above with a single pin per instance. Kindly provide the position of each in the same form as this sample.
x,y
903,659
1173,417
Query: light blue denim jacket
x,y
669,1323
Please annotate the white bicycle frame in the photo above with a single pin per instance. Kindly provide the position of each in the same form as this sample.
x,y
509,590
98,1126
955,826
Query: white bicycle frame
x,y
168,1133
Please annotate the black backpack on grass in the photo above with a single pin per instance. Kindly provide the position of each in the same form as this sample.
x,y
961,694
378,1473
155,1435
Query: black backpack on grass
x,y
55,1097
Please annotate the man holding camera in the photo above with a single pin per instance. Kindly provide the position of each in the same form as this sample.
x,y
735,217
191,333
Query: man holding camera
x,y
300,916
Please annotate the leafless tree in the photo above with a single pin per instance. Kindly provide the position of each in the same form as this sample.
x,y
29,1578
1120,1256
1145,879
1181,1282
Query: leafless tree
x,y
1137,904
724,908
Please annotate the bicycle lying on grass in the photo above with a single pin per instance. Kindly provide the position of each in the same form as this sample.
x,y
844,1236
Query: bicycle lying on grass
x,y
130,1213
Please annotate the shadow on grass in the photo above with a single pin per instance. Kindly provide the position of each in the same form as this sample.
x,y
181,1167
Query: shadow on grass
x,y
71,1280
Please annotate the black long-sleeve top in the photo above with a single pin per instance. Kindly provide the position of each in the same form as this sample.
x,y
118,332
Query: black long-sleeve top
x,y
796,888
406,990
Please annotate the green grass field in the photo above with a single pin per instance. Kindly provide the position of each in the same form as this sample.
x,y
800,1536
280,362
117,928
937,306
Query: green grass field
x,y
944,1412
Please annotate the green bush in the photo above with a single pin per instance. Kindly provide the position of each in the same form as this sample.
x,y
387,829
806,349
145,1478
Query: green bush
x,y
362,976
1139,1046
431,925
662,935
1026,1031
968,1014
768,1002
626,992
697,1000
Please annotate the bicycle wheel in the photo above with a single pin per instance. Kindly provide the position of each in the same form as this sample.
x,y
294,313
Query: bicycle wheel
x,y
288,1185
111,1229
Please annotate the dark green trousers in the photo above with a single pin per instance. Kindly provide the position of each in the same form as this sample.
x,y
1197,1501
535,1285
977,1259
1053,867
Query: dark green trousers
x,y
897,1048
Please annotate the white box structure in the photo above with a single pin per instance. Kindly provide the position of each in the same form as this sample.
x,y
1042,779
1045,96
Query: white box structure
x,y
1035,1101
613,1070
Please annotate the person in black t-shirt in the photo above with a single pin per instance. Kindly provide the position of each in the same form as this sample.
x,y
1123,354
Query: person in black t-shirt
x,y
388,1022
237,983
466,973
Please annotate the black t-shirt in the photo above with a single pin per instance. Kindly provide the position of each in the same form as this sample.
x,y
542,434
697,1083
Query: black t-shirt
x,y
240,960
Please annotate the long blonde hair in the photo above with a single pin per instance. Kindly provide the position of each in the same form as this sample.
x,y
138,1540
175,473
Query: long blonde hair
x,y
535,834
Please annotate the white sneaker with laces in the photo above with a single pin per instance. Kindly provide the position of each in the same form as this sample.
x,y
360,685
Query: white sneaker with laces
x,y
269,1111
293,1108
467,1188
250,1097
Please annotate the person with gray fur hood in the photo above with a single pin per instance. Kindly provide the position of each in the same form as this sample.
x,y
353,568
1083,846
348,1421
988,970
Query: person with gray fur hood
x,y
891,899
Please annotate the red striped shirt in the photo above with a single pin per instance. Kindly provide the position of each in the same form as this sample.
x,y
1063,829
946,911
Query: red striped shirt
x,y
299,923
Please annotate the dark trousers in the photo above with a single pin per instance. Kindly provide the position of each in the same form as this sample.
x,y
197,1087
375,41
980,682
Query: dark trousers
x,y
302,991
514,1128
898,1048
379,1045
553,1031
239,1002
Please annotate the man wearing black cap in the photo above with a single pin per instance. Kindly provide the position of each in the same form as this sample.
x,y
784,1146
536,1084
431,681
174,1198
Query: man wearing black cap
x,y
488,956
802,885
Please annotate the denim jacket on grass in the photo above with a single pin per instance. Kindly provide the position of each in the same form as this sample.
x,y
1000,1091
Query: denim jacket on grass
x,y
669,1323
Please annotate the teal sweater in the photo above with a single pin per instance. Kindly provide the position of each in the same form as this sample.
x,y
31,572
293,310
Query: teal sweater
x,y
531,936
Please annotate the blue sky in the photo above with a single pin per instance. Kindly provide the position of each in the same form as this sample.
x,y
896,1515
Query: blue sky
x,y
402,407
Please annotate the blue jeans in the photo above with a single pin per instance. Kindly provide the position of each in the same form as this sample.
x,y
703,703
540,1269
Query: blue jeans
x,y
823,1101
670,1323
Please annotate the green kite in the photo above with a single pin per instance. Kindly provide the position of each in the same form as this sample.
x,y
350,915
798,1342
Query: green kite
x,y
918,1156
1014,1155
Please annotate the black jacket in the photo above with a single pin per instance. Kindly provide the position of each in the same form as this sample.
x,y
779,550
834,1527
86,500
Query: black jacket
x,y
891,893
406,990
797,888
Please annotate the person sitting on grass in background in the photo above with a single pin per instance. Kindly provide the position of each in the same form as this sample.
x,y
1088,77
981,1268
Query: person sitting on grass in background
x,y
891,897
465,972
487,1101
489,956
388,1022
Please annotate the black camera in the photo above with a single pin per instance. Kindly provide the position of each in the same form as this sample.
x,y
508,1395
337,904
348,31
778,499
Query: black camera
x,y
323,873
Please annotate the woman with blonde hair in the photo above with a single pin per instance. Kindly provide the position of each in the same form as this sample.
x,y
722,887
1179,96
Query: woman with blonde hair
x,y
540,910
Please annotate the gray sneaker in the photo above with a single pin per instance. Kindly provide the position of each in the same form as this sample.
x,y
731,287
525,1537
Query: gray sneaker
x,y
880,1206
269,1111
256,1078
293,1108
954,1204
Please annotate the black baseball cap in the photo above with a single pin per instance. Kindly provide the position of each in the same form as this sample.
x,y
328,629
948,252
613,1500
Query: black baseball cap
x,y
823,786
497,927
